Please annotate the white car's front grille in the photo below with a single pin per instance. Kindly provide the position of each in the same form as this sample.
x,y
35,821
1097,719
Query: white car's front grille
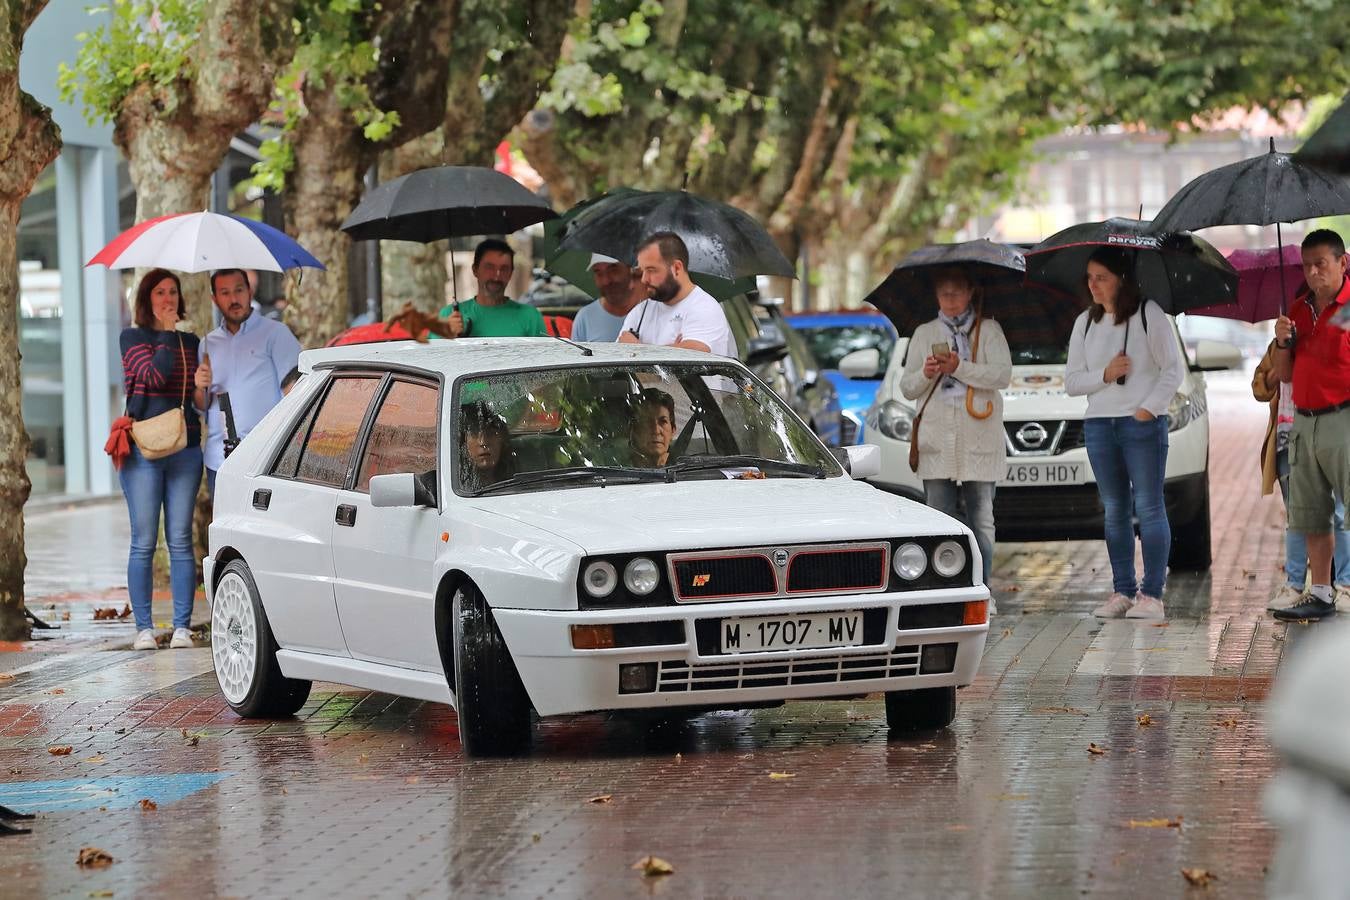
x,y
679,677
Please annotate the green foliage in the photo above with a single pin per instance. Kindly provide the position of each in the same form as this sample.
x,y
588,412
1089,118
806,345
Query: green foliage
x,y
337,51
144,43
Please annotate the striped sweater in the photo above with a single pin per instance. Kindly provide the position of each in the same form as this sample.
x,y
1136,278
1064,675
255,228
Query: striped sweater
x,y
155,373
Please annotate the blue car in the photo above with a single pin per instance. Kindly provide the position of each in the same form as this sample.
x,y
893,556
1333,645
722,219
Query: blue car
x,y
833,336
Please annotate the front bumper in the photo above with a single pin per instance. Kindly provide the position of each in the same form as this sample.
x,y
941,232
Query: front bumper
x,y
561,679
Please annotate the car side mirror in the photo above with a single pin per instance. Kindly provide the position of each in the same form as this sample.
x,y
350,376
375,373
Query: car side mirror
x,y
401,489
862,365
765,349
859,460
1215,356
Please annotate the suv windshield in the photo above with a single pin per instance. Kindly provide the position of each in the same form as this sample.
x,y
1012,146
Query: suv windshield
x,y
829,344
621,424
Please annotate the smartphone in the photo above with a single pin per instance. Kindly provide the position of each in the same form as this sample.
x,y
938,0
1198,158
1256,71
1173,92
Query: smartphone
x,y
942,348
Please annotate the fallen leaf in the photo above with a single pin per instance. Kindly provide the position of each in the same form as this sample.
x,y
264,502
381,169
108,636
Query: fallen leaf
x,y
412,779
1060,709
1144,720
781,776
652,866
535,837
363,758
101,894
1227,723
958,827
16,771
5,676
1156,823
94,858
148,805
1007,632
126,612
1096,750
96,760
1159,624
284,791
65,616
60,751
679,757
601,798
192,739
57,691
1199,877
104,612
1012,588
1014,796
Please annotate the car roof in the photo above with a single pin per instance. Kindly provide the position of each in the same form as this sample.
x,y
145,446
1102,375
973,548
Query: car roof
x,y
830,319
464,356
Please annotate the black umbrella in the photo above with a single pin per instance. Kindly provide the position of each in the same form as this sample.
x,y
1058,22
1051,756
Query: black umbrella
x,y
1329,145
1176,270
723,241
445,202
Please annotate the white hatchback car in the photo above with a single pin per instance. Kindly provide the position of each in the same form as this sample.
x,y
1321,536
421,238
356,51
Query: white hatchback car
x,y
471,522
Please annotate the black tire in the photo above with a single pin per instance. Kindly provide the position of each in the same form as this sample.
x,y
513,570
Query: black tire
x,y
493,707
1191,547
927,709
244,652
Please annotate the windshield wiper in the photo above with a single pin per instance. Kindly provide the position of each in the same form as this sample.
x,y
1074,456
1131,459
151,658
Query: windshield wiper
x,y
694,463
575,473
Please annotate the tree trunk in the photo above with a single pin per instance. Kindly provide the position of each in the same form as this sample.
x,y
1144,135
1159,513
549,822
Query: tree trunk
x,y
328,153
412,272
29,141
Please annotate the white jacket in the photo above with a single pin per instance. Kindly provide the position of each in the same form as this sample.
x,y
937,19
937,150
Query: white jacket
x,y
952,443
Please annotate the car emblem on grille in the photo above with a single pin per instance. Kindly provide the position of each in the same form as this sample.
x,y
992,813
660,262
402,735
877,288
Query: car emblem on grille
x,y
1032,436
701,580
780,558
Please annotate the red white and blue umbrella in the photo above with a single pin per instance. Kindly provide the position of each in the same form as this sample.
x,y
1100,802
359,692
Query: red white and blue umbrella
x,y
202,242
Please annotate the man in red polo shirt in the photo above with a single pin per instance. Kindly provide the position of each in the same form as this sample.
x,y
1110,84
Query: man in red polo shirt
x,y
1314,354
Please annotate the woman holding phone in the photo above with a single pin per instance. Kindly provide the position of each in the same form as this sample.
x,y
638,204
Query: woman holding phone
x,y
1123,356
961,445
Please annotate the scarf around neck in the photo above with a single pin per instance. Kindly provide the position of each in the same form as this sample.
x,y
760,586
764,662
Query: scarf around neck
x,y
958,329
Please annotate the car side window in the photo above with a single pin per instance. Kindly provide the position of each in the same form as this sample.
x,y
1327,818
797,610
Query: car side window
x,y
290,458
327,453
403,435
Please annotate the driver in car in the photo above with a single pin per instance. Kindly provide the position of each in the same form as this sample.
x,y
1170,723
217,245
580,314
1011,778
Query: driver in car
x,y
652,428
486,456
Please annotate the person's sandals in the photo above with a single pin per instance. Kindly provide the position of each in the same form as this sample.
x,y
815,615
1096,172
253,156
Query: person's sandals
x,y
145,640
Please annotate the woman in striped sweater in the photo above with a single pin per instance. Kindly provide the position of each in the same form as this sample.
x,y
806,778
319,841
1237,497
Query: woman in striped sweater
x,y
159,364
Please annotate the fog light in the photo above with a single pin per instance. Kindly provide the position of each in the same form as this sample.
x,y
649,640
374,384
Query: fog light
x,y
937,658
637,678
592,637
976,612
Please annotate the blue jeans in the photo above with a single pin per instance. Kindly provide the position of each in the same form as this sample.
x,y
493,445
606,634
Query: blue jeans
x,y
170,483
1296,542
1129,460
972,503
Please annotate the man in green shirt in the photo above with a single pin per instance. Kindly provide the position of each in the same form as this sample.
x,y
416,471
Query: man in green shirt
x,y
491,313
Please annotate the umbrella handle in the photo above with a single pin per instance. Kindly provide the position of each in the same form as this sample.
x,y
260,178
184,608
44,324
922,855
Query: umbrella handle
x,y
970,391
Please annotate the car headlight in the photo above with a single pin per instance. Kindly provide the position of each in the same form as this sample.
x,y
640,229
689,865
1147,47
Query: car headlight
x,y
641,576
910,561
1181,412
600,579
949,558
895,420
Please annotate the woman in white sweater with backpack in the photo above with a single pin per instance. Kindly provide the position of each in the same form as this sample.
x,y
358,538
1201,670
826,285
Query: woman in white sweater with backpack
x,y
1123,356
960,422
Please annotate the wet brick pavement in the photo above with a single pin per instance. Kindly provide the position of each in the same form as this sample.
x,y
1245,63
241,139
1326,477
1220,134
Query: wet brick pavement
x,y
366,795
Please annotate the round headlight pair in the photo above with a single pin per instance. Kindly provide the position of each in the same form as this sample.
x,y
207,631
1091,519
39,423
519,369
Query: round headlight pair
x,y
640,577
910,561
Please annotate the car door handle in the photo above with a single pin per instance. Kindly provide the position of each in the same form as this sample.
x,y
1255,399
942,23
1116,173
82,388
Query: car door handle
x,y
346,514
262,498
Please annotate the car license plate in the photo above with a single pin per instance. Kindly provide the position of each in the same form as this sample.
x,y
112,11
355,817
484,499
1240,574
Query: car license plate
x,y
1041,472
762,633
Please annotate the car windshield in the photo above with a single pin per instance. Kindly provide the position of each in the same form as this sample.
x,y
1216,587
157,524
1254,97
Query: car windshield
x,y
601,425
831,343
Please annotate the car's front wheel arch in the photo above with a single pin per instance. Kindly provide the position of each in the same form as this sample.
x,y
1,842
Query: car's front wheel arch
x,y
450,582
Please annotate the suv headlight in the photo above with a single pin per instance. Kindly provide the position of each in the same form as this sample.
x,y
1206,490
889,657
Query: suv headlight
x,y
895,420
1181,412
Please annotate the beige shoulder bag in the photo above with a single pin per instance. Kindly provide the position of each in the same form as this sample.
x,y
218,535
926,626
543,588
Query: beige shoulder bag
x,y
165,434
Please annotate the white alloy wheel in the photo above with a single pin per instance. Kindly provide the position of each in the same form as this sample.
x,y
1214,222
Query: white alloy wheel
x,y
234,637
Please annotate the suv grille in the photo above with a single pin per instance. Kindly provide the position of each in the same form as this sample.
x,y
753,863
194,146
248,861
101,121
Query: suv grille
x,y
1044,437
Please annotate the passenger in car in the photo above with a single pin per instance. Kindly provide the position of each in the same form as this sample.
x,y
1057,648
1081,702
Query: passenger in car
x,y
486,456
652,428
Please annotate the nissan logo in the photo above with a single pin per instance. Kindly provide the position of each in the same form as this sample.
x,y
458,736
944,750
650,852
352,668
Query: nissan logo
x,y
1032,435
780,558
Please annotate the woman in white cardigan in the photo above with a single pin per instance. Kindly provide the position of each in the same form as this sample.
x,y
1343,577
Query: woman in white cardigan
x,y
961,443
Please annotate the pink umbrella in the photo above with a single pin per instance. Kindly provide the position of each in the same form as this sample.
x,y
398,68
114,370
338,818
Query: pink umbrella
x,y
1262,283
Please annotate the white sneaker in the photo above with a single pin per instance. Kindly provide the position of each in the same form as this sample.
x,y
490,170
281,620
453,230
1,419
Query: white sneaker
x,y
145,640
182,638
1115,607
1343,598
1146,607
1288,595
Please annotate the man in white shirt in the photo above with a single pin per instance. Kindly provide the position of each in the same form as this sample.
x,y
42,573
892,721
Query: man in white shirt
x,y
678,313
621,289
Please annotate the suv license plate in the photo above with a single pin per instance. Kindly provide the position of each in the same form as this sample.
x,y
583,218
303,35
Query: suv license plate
x,y
1029,473
808,632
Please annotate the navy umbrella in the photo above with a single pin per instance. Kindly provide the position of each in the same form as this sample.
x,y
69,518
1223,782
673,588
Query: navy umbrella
x,y
723,241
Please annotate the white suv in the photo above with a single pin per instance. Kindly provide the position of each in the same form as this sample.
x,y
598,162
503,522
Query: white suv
x,y
1048,491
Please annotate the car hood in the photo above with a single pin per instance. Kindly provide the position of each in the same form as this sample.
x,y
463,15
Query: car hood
x,y
1037,392
707,514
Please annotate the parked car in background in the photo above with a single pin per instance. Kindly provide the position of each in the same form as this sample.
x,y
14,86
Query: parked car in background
x,y
811,395
1252,340
1048,491
834,335
361,537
